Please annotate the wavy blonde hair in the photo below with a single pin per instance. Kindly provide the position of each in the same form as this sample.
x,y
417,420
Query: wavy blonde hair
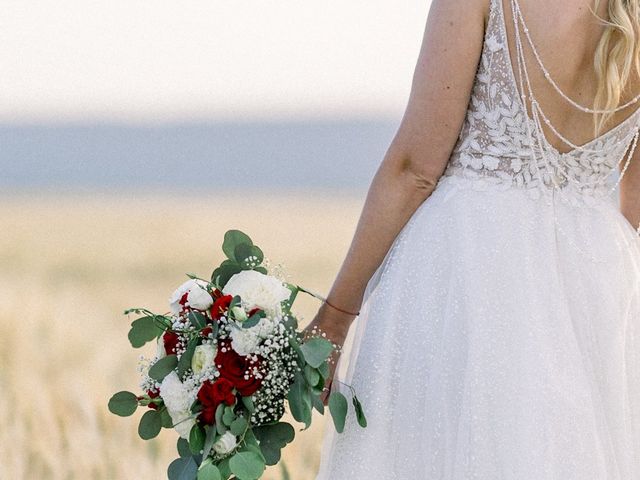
x,y
617,56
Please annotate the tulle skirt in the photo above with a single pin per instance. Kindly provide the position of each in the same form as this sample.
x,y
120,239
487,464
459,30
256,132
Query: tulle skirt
x,y
494,346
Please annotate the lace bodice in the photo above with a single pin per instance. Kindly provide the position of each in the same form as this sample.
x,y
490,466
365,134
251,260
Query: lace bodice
x,y
494,146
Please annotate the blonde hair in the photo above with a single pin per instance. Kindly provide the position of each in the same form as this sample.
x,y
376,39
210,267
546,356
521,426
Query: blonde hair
x,y
617,56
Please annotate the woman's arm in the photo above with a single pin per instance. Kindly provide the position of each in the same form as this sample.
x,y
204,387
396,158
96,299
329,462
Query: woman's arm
x,y
418,154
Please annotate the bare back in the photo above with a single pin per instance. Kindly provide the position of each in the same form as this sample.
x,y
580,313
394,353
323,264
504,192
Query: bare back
x,y
566,35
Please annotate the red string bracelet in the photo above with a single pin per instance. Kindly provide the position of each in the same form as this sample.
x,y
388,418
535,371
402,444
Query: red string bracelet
x,y
340,309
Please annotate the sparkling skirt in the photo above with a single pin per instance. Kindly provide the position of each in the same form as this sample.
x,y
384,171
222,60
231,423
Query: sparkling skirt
x,y
492,346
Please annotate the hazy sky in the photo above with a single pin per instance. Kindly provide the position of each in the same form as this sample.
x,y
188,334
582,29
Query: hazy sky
x,y
141,60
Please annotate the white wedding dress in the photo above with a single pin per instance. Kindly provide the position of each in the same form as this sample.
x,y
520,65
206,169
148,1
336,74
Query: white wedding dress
x,y
500,337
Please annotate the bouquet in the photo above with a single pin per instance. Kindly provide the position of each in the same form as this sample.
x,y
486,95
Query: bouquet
x,y
229,358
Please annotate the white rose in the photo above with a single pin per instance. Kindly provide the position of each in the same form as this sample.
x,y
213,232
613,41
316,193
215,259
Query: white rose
x,y
199,298
225,443
258,290
178,399
264,328
244,341
186,287
203,357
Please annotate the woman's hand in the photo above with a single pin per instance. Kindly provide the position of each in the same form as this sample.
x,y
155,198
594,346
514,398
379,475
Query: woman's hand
x,y
335,325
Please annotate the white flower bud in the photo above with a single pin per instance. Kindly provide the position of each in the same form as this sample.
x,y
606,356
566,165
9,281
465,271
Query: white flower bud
x,y
203,357
225,443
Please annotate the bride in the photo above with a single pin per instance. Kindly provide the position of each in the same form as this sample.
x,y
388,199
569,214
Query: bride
x,y
495,270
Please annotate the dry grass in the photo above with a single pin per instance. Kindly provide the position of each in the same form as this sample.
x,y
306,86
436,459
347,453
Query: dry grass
x,y
69,266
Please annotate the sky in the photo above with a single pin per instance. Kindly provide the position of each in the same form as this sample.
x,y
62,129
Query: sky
x,y
142,61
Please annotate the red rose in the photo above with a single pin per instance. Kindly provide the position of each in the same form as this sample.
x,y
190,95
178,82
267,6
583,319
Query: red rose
x,y
220,306
206,331
153,394
233,367
170,342
212,394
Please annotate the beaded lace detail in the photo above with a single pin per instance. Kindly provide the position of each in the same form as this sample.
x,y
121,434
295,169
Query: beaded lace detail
x,y
495,146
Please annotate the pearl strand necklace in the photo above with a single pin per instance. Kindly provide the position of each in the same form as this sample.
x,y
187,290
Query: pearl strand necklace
x,y
537,109
540,136
547,75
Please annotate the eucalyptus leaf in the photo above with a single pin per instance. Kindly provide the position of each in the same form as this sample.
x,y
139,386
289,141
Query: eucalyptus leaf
x,y
163,367
143,330
338,408
317,404
228,415
183,448
323,369
246,465
273,438
253,320
209,471
220,427
362,420
196,439
167,421
184,468
209,440
316,350
233,238
300,399
184,363
311,375
150,425
197,319
248,404
238,426
123,404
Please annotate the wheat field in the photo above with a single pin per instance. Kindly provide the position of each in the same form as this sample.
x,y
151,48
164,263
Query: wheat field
x,y
69,266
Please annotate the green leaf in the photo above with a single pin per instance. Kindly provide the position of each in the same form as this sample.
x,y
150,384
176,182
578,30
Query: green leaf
x,y
316,350
182,469
167,421
317,404
185,360
248,256
196,439
209,471
123,404
197,319
338,409
248,404
261,270
223,466
143,330
229,415
273,438
253,320
219,422
246,465
300,400
150,425
233,238
223,273
163,367
323,369
183,448
209,440
238,426
311,374
362,420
